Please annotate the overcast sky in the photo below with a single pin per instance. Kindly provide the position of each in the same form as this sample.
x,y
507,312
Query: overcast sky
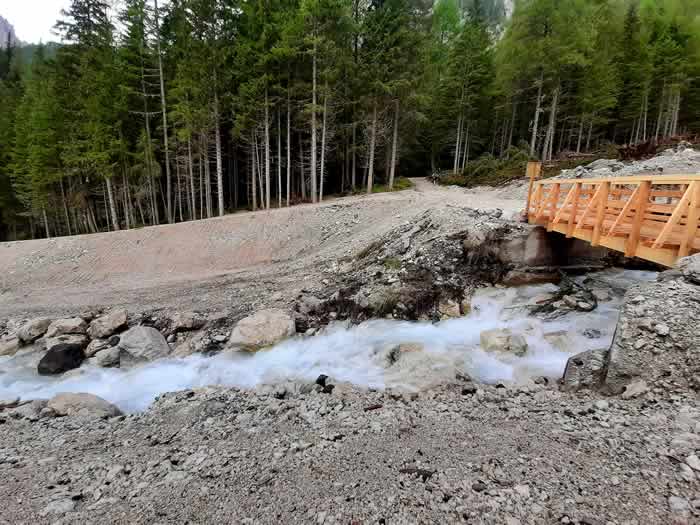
x,y
33,19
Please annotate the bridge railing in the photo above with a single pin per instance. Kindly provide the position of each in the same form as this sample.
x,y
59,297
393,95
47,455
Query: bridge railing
x,y
654,217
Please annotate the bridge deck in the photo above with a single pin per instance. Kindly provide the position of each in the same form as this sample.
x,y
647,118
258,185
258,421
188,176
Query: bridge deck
x,y
653,217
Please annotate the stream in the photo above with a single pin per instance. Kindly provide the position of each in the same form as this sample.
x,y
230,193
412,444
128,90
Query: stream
x,y
359,354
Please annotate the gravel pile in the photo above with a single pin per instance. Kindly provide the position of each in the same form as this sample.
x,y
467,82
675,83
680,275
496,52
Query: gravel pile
x,y
462,453
680,160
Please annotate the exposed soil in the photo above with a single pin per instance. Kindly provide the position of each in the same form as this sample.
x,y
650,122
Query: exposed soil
x,y
217,263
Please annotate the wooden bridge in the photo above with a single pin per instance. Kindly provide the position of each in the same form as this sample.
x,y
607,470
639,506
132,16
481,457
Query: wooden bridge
x,y
653,217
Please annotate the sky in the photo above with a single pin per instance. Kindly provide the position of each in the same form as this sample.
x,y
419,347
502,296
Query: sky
x,y
33,19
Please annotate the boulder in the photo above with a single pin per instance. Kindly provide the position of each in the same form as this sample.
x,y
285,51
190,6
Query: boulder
x,y
690,268
585,370
9,346
83,405
142,343
61,358
525,277
559,340
75,325
186,321
503,340
107,358
96,345
263,328
310,304
30,411
656,340
33,330
449,308
106,325
68,339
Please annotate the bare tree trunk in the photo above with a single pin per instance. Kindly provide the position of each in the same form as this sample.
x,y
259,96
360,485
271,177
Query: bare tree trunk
x,y
512,124
254,153
353,180
207,178
372,144
279,158
46,223
580,136
313,131
549,139
535,125
457,143
112,204
179,188
127,200
323,145
65,207
165,117
219,160
267,153
190,162
394,146
289,148
465,159
590,133
301,156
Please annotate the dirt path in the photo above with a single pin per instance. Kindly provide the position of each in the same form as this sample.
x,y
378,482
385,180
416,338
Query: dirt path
x,y
201,264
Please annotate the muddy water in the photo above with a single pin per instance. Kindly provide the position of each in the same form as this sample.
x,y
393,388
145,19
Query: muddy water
x,y
359,354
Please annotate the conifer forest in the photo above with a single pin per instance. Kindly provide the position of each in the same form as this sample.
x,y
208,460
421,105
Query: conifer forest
x,y
146,112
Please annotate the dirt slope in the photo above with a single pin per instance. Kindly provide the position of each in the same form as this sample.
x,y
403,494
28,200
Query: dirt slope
x,y
197,264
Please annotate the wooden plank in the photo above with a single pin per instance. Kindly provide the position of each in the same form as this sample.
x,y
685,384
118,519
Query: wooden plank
x,y
623,214
677,214
663,180
553,208
691,229
567,201
589,207
602,206
571,223
633,239
533,171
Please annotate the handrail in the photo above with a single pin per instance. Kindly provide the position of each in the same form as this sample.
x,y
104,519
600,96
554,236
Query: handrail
x,y
657,219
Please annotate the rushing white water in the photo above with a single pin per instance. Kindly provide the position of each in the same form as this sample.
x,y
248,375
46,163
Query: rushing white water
x,y
353,354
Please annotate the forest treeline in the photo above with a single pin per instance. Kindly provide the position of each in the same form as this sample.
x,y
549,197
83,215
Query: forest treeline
x,y
148,114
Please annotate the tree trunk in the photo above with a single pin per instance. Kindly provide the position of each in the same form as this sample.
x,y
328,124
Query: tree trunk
x,y
394,147
207,179
353,180
323,146
289,148
219,160
590,133
279,158
535,125
512,124
254,174
313,130
465,159
112,204
190,162
302,181
65,207
267,152
458,141
46,223
580,135
372,144
549,139
179,188
165,118
127,200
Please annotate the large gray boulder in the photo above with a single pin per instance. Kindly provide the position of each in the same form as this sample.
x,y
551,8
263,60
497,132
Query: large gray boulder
x,y
82,405
75,325
33,330
141,344
67,339
108,358
108,324
657,338
263,328
61,358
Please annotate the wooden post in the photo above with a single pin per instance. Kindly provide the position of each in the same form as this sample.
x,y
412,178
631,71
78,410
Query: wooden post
x,y
574,211
633,239
533,171
600,216
692,224
555,191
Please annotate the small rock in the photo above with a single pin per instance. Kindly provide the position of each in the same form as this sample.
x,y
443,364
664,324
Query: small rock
x,y
449,309
601,404
662,329
142,343
107,358
635,389
678,504
9,346
75,325
59,506
503,340
84,405
479,486
186,321
693,462
263,328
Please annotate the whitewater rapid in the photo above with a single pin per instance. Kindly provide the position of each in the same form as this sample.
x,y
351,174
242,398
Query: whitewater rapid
x,y
354,354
